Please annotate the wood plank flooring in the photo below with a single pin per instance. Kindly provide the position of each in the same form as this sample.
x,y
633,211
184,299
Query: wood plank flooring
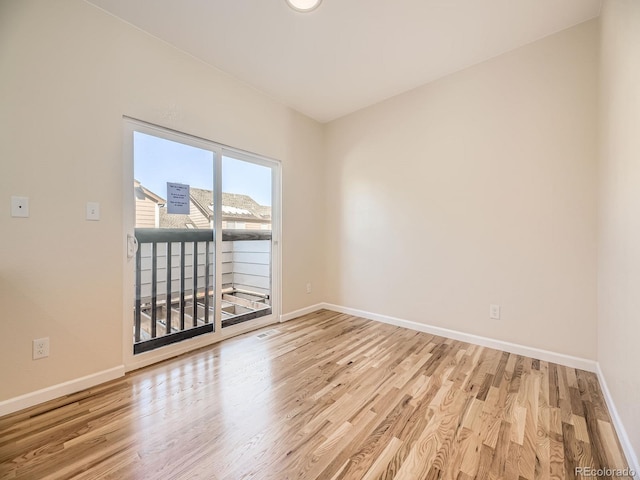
x,y
326,396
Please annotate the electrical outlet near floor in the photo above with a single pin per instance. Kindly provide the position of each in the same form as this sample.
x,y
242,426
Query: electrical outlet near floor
x,y
494,312
309,287
40,348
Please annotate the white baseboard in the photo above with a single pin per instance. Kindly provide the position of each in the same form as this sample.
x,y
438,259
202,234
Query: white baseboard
x,y
303,311
56,391
632,458
546,355
27,400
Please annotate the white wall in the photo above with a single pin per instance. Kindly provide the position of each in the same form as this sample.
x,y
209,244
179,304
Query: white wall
x,y
69,74
477,189
619,210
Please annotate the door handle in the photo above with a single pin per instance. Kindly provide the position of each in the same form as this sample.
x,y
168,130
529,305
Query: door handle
x,y
132,245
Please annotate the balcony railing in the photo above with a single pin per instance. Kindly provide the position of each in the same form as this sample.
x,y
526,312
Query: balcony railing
x,y
175,282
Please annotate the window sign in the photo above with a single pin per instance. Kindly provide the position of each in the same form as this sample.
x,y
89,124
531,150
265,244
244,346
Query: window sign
x,y
177,198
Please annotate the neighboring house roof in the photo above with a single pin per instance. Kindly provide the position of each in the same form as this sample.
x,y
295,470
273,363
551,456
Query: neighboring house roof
x,y
240,205
235,207
202,199
174,220
141,193
265,211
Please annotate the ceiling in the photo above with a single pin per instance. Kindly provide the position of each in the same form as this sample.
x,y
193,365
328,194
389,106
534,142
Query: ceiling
x,y
347,54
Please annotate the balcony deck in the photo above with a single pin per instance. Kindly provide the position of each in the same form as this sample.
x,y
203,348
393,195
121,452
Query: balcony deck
x,y
235,309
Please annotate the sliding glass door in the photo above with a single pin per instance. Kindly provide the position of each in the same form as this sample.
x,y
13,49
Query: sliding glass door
x,y
201,244
247,191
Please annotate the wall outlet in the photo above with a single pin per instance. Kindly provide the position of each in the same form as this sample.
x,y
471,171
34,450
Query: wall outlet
x,y
494,312
309,287
40,348
93,211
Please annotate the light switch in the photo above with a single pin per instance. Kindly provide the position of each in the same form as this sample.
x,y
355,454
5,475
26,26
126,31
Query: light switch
x,y
19,206
93,211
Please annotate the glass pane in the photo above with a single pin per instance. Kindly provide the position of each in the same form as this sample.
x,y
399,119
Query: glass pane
x,y
175,269
246,246
157,162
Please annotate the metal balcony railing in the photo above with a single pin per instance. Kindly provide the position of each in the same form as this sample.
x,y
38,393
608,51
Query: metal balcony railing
x,y
175,282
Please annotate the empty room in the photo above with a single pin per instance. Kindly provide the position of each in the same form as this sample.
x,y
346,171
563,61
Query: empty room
x,y
319,239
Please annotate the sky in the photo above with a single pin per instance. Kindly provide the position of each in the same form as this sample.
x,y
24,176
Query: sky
x,y
158,161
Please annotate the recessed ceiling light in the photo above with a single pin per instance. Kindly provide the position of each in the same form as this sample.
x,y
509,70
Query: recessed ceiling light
x,y
303,5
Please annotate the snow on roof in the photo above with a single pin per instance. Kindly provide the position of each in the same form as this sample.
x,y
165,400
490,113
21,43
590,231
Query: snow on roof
x,y
235,210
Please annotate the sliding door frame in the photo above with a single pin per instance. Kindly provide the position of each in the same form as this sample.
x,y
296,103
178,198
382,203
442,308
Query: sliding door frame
x,y
131,125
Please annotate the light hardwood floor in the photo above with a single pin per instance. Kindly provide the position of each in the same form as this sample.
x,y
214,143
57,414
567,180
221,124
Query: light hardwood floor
x,y
326,396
